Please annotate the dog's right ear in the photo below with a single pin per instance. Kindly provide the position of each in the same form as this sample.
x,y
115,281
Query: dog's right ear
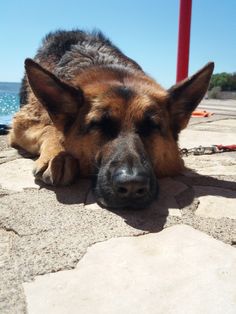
x,y
186,95
59,99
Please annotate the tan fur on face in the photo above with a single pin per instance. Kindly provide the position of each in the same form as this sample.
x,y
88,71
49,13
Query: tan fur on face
x,y
36,133
163,151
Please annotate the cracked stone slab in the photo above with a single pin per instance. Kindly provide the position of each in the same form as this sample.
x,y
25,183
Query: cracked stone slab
x,y
215,202
12,298
34,211
16,175
179,270
5,244
8,155
61,249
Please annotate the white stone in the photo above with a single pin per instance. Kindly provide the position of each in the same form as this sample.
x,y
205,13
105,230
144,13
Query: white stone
x,y
174,212
8,155
217,164
215,202
179,270
193,138
5,243
17,174
228,123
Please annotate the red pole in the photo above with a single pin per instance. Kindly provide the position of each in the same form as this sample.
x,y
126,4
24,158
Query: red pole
x,y
183,39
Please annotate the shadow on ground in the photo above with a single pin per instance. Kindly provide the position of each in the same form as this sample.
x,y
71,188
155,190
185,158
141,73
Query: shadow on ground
x,y
151,219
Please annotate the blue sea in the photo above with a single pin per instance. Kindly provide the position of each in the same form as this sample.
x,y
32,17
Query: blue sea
x,y
9,101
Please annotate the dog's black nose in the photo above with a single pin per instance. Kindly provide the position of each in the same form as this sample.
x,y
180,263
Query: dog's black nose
x,y
130,184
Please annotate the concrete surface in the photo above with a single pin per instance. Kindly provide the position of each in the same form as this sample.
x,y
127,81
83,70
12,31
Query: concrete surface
x,y
16,175
215,202
217,106
46,230
179,270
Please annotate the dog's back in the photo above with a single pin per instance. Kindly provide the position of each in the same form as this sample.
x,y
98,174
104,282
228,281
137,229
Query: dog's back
x,y
66,53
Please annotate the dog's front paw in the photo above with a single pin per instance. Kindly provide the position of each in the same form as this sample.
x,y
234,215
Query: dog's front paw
x,y
60,170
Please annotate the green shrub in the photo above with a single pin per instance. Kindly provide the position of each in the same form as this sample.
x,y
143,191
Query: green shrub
x,y
226,81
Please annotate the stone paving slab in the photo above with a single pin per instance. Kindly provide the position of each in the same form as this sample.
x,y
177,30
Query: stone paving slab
x,y
207,134
179,270
226,107
226,125
5,244
16,175
35,211
211,165
215,202
8,155
12,299
194,138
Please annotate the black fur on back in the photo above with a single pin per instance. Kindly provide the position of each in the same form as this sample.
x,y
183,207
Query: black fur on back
x,y
66,53
59,42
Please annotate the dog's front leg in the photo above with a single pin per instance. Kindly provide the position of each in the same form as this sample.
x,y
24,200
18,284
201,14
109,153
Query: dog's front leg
x,y
54,165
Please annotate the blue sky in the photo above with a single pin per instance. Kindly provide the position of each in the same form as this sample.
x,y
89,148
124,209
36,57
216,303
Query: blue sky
x,y
145,30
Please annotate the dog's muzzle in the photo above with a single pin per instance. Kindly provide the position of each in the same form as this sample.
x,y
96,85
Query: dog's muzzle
x,y
127,188
126,179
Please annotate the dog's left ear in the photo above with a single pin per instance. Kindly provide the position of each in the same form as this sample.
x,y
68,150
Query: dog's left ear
x,y
186,95
62,101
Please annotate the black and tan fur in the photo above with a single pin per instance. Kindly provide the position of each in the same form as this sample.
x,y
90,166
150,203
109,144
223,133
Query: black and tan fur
x,y
87,109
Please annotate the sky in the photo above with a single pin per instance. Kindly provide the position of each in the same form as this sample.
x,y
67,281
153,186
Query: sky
x,y
145,30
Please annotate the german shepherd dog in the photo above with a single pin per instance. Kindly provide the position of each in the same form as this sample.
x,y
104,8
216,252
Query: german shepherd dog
x,y
89,110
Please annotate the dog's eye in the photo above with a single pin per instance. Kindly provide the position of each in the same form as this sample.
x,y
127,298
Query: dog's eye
x,y
147,126
107,126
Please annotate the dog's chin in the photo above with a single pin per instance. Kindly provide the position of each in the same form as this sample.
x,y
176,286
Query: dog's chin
x,y
101,202
115,204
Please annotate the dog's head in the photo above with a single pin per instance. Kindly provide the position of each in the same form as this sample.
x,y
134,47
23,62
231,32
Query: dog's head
x,y
121,125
